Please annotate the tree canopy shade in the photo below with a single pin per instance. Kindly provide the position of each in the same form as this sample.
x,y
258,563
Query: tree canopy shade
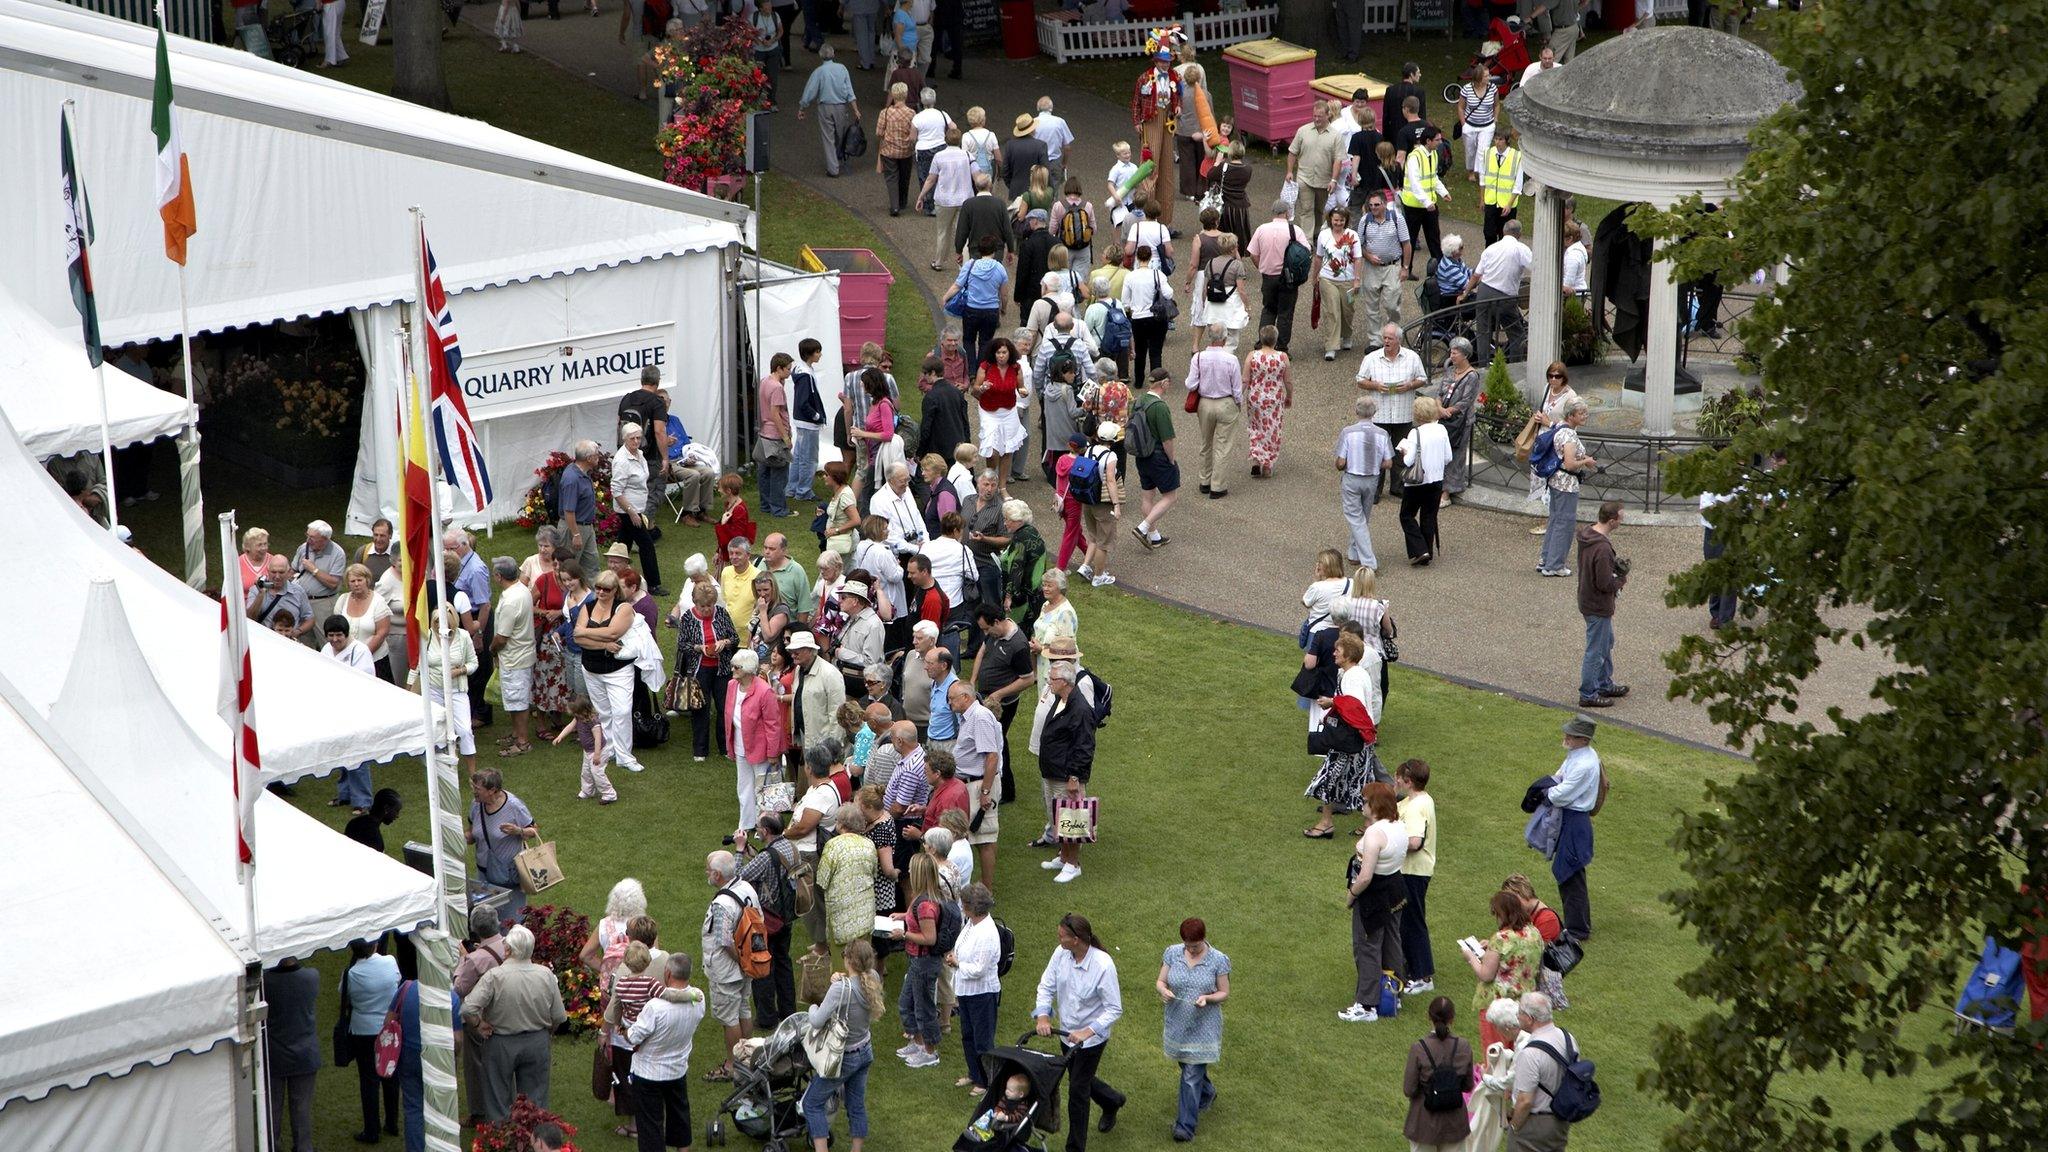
x,y
1849,880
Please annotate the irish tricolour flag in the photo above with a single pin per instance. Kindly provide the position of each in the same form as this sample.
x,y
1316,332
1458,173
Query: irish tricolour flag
x,y
173,171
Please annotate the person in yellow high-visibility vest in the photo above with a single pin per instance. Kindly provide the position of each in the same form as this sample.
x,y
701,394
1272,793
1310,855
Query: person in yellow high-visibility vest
x,y
1421,190
1500,183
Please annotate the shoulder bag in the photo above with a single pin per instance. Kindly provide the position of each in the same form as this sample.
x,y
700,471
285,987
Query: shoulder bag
x,y
343,1055
391,1037
825,1045
1164,306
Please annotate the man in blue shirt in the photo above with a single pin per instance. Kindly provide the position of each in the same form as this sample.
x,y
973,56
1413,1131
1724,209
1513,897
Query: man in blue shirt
x,y
473,580
1578,795
830,89
938,664
576,498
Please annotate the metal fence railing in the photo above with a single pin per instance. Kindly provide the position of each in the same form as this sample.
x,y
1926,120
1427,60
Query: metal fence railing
x,y
1632,467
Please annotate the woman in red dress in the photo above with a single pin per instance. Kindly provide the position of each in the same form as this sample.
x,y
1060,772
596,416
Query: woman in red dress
x,y
998,388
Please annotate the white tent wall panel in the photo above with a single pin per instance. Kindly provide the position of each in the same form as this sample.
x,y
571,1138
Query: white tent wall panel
x,y
686,291
189,1103
798,305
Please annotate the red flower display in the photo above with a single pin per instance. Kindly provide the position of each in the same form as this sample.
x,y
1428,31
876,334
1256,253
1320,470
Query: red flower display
x,y
711,75
515,1132
558,936
534,512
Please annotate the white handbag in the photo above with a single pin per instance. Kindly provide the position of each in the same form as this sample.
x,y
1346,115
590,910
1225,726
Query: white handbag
x,y
825,1045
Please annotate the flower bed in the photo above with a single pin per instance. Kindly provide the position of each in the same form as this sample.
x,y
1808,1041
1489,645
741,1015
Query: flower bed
x,y
534,512
515,1132
714,81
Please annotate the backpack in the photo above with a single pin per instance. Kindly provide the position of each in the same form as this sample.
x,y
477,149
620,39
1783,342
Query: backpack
x,y
908,431
809,407
1441,1089
1084,479
1544,457
1578,1095
1116,330
1077,227
1062,348
1102,695
949,928
1006,948
750,938
1214,288
1143,443
1297,261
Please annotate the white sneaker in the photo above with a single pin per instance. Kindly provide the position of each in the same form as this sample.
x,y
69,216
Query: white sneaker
x,y
1358,1014
923,1059
636,766
909,1050
698,759
1068,873
1418,987
1085,572
1102,581
1051,864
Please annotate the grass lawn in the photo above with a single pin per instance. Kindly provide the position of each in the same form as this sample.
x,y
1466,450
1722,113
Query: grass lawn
x,y
1200,774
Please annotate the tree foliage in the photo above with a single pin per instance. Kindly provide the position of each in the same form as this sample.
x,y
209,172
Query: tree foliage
x,y
1847,883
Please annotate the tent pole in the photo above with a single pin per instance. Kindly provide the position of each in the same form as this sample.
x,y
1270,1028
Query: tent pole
x,y
107,450
189,495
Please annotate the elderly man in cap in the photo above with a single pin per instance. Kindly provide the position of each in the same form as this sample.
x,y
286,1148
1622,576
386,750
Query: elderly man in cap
x,y
1034,252
817,694
316,568
860,641
1578,792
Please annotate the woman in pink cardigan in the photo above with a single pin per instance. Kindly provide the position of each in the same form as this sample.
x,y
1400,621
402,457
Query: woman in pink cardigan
x,y
754,732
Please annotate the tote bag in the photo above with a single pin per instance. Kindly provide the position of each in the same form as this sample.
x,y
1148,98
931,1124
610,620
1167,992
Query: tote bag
x,y
1074,820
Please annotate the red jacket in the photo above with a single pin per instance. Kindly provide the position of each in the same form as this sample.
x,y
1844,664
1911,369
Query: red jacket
x,y
759,719
733,525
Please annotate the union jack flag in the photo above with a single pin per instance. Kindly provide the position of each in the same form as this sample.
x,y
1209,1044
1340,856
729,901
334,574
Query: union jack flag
x,y
462,458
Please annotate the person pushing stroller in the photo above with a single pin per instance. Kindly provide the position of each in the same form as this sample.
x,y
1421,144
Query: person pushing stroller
x,y
1080,982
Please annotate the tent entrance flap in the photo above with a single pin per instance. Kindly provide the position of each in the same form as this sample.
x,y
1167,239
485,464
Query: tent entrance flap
x,y
554,373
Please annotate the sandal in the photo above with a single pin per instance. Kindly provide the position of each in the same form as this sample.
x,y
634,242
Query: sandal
x,y
624,1131
720,1075
1325,834
515,749
964,1082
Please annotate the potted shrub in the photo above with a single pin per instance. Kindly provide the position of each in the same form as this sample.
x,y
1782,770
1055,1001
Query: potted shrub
x,y
1502,407
1730,412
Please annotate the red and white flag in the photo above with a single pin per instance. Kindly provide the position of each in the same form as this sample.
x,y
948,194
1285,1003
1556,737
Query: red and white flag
x,y
238,710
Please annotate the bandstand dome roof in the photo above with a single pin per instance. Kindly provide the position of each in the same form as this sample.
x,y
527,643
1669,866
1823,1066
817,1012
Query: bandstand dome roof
x,y
1653,115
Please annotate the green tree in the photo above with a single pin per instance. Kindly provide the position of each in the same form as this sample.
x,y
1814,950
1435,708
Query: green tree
x,y
1846,883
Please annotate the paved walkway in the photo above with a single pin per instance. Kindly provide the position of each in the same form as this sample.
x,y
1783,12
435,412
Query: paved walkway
x,y
1479,613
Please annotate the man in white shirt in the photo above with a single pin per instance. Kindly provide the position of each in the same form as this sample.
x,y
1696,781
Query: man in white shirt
x,y
1063,335
1580,792
948,185
662,1036
1394,374
1052,131
896,504
1538,1076
1081,981
512,641
932,127
1545,61
1501,269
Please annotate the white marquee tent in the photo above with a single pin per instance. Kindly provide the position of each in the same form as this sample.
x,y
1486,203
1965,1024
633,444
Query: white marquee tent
x,y
567,274
51,394
321,714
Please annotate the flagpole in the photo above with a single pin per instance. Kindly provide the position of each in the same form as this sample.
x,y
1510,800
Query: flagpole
x,y
96,354
189,495
246,873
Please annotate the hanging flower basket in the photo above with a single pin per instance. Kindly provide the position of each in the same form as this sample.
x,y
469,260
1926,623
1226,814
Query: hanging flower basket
x,y
711,75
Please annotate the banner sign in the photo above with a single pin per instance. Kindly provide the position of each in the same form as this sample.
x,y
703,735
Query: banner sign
x,y
534,377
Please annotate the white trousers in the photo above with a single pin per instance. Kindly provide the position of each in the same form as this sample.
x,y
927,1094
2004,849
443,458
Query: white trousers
x,y
612,694
750,774
458,704
331,33
1477,142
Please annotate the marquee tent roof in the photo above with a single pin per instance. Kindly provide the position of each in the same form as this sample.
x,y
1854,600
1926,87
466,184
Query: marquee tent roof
x,y
316,714
51,393
302,186
315,889
66,1017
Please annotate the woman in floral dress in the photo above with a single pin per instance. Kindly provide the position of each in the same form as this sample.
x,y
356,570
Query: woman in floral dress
x,y
1268,394
1510,963
551,693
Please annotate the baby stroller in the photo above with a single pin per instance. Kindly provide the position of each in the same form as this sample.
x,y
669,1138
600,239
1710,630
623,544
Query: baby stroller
x,y
295,36
1505,54
769,1078
1042,1108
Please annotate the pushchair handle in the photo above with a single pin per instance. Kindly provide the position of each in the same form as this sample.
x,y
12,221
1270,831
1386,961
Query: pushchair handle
x,y
1025,1040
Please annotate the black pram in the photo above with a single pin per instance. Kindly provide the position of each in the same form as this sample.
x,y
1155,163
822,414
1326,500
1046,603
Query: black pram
x,y
1042,1109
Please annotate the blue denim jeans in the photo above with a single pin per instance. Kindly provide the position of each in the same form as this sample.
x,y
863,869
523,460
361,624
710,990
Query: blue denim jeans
x,y
774,486
803,464
412,1095
1557,535
919,1002
1596,670
978,1031
1195,1094
853,1081
353,788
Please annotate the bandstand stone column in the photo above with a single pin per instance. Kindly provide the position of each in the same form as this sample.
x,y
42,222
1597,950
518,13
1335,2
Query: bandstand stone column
x,y
1546,291
1660,365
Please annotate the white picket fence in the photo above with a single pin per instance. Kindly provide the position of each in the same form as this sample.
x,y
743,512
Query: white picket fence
x,y
1083,41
